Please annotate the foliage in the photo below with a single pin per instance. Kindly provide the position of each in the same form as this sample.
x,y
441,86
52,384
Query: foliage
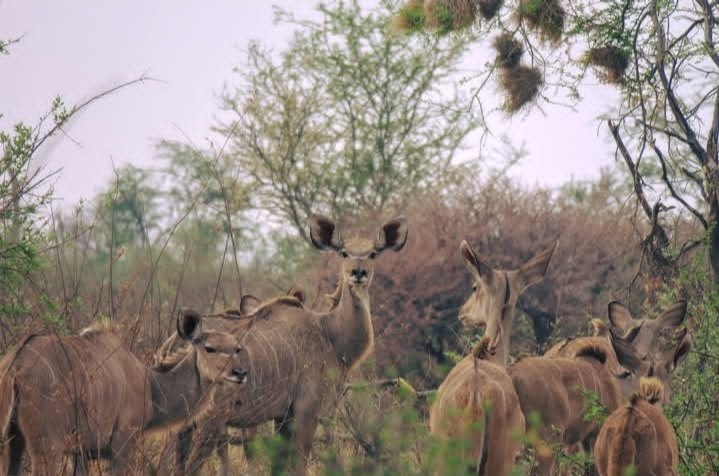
x,y
664,60
348,117
694,410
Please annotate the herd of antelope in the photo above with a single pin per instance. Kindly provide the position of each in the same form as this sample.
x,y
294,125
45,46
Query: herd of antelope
x,y
68,400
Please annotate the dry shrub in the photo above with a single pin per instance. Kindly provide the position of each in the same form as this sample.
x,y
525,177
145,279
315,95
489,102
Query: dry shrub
x,y
521,84
612,60
509,50
546,16
449,15
416,293
489,8
409,18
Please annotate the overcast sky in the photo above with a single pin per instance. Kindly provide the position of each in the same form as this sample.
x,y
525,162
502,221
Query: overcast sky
x,y
78,48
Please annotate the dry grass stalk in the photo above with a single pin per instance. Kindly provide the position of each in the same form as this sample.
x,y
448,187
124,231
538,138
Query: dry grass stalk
x,y
521,84
546,16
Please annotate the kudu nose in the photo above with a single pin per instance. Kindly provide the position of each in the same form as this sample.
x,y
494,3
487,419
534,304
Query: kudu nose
x,y
358,273
240,374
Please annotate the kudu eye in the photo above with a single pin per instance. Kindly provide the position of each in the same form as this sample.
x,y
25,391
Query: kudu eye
x,y
238,350
373,255
474,287
210,350
344,254
625,375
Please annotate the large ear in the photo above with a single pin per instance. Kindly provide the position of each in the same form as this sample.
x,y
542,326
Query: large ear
x,y
626,355
189,324
248,303
674,316
324,234
478,267
392,235
535,269
680,352
298,293
619,316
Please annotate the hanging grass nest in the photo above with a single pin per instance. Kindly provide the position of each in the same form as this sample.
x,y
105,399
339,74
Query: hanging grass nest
x,y
509,50
489,8
449,15
612,61
409,18
521,84
545,16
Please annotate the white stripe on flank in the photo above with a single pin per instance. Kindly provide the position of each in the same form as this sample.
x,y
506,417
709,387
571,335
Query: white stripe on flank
x,y
268,343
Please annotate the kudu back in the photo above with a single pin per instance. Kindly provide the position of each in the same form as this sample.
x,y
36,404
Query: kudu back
x,y
638,436
87,396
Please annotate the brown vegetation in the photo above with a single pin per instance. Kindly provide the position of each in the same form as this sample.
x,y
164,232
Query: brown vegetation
x,y
449,15
509,50
415,313
612,60
522,84
545,16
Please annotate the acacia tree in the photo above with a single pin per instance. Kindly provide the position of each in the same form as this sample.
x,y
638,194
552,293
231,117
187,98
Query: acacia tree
x,y
662,57
348,117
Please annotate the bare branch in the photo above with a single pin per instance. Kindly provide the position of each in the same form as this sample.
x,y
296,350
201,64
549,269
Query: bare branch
x,y
636,176
668,182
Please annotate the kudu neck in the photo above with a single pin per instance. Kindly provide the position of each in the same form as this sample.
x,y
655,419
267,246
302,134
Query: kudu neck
x,y
350,325
178,393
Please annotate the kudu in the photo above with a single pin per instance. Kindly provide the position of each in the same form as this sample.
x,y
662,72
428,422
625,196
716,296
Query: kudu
x,y
495,293
87,396
231,319
298,359
638,436
608,365
477,408
476,384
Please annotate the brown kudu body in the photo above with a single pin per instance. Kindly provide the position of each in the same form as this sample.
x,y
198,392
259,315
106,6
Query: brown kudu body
x,y
638,436
219,438
554,389
88,396
477,403
608,365
477,407
298,360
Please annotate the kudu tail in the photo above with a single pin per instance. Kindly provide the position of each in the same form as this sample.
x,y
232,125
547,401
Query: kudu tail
x,y
650,390
623,449
474,415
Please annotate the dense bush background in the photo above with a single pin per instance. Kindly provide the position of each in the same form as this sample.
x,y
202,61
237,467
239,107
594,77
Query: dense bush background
x,y
208,226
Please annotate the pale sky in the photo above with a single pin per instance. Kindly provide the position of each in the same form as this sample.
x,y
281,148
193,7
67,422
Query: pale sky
x,y
80,47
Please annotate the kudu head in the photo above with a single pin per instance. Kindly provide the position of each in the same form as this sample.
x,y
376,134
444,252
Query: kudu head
x,y
495,293
660,362
357,254
646,334
216,353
